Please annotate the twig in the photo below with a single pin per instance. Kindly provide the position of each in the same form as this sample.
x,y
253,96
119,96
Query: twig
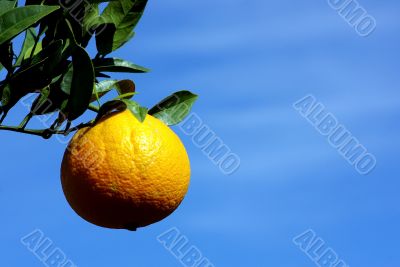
x,y
45,133
21,130
26,120
94,108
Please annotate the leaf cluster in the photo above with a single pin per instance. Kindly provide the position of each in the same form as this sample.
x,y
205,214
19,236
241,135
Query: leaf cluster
x,y
54,65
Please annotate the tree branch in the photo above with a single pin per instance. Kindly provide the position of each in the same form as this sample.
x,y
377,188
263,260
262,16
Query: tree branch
x,y
45,133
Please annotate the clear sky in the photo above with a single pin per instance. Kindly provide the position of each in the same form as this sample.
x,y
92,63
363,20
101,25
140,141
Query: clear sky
x,y
249,61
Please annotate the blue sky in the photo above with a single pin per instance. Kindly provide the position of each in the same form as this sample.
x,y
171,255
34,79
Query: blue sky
x,y
249,61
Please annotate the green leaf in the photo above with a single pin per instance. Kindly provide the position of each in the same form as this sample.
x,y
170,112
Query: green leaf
x,y
28,52
91,17
138,111
66,82
109,38
173,109
117,65
121,37
16,20
50,100
41,104
64,30
124,13
6,5
28,45
120,105
103,87
124,87
6,95
82,84
41,70
51,54
124,16
6,55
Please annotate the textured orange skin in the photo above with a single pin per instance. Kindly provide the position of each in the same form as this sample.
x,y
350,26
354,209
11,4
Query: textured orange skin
x,y
124,174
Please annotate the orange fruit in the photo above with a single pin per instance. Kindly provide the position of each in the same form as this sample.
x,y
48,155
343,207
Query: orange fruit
x,y
124,174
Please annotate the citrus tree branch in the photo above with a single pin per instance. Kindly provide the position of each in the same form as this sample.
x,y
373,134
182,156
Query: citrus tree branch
x,y
21,130
45,133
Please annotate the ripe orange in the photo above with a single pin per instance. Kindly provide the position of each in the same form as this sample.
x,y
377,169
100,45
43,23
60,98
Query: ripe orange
x,y
125,174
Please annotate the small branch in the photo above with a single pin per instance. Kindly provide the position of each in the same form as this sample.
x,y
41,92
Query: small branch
x,y
45,133
94,108
3,116
26,121
21,130
67,127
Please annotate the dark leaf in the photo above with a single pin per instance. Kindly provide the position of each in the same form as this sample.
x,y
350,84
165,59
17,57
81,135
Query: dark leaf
x,y
66,82
48,26
41,70
124,15
33,2
82,84
50,100
6,95
102,75
64,30
16,20
104,39
117,65
9,97
33,77
76,16
120,105
125,87
6,55
109,107
41,103
174,108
